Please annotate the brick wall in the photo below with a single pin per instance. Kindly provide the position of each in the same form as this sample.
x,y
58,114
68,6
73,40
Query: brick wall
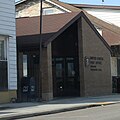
x,y
97,72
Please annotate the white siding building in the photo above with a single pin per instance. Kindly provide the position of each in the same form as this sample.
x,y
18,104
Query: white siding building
x,y
110,14
8,69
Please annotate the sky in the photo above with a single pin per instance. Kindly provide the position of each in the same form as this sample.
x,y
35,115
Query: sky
x,y
93,2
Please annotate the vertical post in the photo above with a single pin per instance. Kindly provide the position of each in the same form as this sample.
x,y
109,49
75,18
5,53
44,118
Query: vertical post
x,y
40,56
102,2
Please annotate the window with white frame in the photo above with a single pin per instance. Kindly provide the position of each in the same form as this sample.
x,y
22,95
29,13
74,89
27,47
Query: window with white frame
x,y
3,48
48,11
3,64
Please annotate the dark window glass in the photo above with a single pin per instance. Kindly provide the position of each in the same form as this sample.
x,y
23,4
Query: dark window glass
x,y
118,66
71,71
3,75
2,50
58,70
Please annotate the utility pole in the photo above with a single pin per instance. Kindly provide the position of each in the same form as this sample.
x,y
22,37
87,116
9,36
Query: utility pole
x,y
102,2
40,56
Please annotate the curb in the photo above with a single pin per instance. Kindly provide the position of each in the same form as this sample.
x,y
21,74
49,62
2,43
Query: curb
x,y
54,111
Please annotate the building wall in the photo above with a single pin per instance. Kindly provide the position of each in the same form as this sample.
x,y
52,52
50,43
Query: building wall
x,y
8,30
47,80
32,8
107,15
114,66
7,95
96,63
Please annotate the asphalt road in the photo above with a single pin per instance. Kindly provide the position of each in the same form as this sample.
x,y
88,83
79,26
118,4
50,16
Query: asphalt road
x,y
109,112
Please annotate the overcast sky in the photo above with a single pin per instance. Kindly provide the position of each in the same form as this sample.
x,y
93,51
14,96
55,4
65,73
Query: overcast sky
x,y
94,2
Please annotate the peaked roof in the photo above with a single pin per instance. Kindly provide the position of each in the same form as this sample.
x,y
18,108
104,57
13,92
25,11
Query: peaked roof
x,y
94,20
51,23
54,24
99,23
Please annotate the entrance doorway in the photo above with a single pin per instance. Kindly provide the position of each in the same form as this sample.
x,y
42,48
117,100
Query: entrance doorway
x,y
27,84
66,77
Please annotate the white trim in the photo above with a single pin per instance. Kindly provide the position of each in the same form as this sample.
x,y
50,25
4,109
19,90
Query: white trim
x,y
8,67
20,1
58,6
3,60
5,49
5,35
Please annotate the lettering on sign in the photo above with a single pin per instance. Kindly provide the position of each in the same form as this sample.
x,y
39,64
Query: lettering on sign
x,y
94,63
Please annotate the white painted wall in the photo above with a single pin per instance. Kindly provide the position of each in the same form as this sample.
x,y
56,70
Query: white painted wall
x,y
108,15
33,9
8,28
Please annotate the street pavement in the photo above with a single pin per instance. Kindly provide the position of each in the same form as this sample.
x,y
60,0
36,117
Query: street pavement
x,y
111,112
13,111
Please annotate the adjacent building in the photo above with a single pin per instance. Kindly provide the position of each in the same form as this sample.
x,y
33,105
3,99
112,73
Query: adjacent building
x,y
8,69
106,13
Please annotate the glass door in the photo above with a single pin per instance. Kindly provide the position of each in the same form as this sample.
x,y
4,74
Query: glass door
x,y
65,77
72,77
58,73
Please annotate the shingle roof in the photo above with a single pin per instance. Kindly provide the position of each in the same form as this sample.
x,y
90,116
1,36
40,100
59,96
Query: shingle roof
x,y
99,23
51,24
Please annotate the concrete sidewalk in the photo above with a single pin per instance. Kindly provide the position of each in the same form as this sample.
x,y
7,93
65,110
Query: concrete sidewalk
x,y
20,110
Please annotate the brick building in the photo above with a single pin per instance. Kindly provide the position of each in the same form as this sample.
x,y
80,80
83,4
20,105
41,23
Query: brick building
x,y
75,58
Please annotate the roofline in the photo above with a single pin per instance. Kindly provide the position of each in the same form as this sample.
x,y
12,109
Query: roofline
x,y
58,5
97,33
81,14
5,35
19,2
49,1
62,29
96,6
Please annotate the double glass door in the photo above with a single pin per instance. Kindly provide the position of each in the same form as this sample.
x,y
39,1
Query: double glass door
x,y
66,77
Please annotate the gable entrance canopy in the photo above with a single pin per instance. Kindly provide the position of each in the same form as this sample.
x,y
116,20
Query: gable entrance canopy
x,y
28,34
53,25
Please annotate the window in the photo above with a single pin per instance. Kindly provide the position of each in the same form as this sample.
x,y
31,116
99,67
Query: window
x,y
1,49
3,46
118,66
3,75
3,64
71,71
48,11
58,70
25,65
